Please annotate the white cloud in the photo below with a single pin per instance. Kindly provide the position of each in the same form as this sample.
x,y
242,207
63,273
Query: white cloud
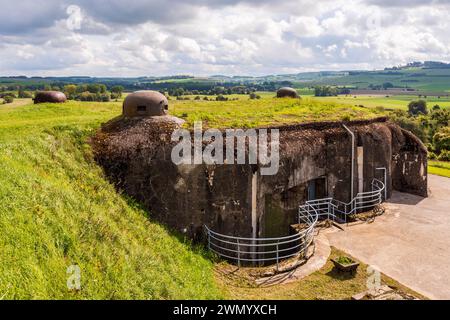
x,y
138,37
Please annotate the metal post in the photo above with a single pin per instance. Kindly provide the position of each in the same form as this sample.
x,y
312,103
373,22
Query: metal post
x,y
209,241
329,210
385,181
239,254
353,164
277,254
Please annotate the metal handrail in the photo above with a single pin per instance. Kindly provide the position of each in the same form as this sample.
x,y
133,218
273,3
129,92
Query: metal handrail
x,y
261,250
363,200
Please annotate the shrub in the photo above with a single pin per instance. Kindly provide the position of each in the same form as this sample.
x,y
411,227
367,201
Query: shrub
x,y
104,97
4,94
221,98
409,123
8,99
254,96
117,91
344,260
417,107
441,140
441,117
24,94
444,156
86,96
432,156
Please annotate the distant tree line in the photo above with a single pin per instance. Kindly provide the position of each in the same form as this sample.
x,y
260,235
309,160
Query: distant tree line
x,y
183,85
92,92
81,92
329,91
384,86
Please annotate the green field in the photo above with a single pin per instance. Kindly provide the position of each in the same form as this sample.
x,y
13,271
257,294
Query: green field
x,y
416,78
388,102
439,168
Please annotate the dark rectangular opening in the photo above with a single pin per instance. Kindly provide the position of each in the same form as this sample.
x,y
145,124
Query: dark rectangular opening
x,y
317,188
141,109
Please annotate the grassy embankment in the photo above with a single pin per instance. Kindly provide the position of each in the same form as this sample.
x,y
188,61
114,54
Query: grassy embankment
x,y
266,111
57,209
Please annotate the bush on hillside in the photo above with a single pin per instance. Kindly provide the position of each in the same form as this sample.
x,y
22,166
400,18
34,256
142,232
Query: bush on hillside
x,y
253,95
444,156
441,140
25,94
221,98
117,91
417,107
432,156
409,123
8,99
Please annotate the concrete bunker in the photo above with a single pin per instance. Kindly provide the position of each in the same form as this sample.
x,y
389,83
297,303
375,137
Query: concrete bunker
x,y
245,211
49,97
287,92
145,104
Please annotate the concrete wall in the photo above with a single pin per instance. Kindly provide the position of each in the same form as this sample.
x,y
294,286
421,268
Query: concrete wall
x,y
136,157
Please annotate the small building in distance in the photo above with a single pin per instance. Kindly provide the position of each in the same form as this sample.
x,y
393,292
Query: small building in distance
x,y
145,104
49,96
287,92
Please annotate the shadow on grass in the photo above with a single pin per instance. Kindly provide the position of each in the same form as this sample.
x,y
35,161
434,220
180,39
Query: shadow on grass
x,y
340,275
198,246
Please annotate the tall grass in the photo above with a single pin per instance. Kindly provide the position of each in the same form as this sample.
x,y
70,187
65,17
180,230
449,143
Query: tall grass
x,y
264,112
57,210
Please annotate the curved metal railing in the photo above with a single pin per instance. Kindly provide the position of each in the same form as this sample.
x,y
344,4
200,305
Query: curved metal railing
x,y
264,250
338,210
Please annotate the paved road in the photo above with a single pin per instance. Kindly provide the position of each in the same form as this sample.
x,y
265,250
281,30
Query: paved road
x,y
410,242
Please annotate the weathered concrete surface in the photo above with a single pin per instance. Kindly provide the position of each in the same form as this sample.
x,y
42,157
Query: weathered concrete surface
x,y
136,155
410,242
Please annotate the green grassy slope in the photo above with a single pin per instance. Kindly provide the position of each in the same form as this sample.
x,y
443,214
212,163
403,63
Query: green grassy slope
x,y
56,210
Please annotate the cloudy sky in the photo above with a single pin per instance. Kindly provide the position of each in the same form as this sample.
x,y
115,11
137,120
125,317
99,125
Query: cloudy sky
x,y
205,37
